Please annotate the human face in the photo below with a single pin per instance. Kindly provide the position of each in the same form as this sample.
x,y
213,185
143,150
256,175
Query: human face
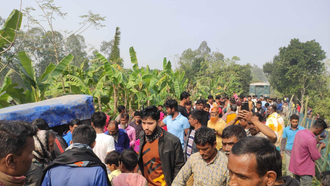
x,y
242,171
249,98
123,121
253,129
294,123
206,109
207,151
72,128
149,125
137,118
188,107
228,143
210,101
188,100
112,129
243,122
258,105
199,106
51,143
24,159
170,111
192,121
160,108
269,110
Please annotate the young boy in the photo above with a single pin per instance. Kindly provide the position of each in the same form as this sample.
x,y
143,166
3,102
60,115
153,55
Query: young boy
x,y
128,166
112,162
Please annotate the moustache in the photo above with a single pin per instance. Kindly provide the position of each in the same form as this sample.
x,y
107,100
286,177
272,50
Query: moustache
x,y
227,153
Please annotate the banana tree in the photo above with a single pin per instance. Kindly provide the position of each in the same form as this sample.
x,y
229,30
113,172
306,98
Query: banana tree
x,y
36,87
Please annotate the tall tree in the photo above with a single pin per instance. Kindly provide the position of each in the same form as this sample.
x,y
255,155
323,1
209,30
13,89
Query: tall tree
x,y
295,67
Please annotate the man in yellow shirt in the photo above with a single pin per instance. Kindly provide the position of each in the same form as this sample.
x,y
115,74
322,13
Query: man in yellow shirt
x,y
217,124
276,123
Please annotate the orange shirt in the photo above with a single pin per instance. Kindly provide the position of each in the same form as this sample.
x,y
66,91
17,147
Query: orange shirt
x,y
151,162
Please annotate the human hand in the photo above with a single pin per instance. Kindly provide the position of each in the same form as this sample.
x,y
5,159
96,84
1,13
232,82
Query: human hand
x,y
323,145
248,116
319,138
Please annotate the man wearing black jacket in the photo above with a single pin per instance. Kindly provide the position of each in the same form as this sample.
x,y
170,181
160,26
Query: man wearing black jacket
x,y
205,115
160,157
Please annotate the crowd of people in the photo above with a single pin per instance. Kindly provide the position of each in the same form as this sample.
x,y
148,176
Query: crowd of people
x,y
241,140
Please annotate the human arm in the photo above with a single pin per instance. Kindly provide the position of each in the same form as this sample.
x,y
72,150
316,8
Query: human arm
x,y
238,116
111,145
101,177
179,162
283,143
133,137
262,127
183,175
162,123
186,125
314,151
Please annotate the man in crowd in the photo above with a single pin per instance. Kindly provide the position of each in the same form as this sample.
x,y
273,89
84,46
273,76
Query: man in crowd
x,y
251,104
176,123
121,109
242,122
217,124
305,152
258,109
257,128
211,102
231,114
78,165
289,134
60,143
184,99
255,161
104,143
136,124
119,135
188,107
72,125
209,166
195,119
205,115
129,130
276,123
161,156
231,135
16,147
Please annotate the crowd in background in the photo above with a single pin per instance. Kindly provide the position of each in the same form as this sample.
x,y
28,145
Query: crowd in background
x,y
237,140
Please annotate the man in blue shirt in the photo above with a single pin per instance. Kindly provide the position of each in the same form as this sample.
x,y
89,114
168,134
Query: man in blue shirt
x,y
119,135
287,140
78,165
176,123
72,125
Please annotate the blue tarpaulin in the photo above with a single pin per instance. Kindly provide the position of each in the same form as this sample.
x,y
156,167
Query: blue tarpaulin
x,y
56,111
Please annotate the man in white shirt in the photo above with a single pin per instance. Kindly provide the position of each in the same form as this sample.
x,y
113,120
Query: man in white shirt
x,y
104,143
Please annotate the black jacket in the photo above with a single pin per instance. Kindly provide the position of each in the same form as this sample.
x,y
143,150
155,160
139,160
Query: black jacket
x,y
170,154
289,181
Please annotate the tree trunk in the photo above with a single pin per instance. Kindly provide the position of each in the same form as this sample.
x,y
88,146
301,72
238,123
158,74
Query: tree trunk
x,y
115,99
100,104
302,100
305,115
125,99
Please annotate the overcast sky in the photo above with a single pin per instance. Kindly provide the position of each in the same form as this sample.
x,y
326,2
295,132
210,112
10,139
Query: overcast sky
x,y
252,30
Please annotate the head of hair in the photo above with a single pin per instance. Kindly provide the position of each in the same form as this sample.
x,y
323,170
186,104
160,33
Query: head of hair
x,y
197,114
320,123
124,115
233,107
325,178
121,108
266,105
160,106
232,101
41,124
113,123
210,97
99,119
75,122
150,111
249,96
260,117
171,103
294,116
267,156
184,95
112,158
274,108
13,136
206,105
204,135
259,102
137,113
200,101
217,97
234,130
84,134
129,158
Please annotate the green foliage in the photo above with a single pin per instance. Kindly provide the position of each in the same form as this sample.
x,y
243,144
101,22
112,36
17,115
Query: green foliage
x,y
11,26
